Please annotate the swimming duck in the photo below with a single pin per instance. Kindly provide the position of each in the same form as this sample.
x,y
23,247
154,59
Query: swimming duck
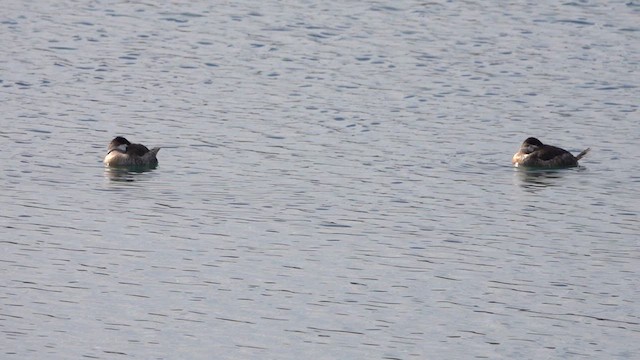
x,y
533,153
123,153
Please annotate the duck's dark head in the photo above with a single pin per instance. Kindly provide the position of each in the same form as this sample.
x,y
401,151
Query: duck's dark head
x,y
529,141
530,145
119,143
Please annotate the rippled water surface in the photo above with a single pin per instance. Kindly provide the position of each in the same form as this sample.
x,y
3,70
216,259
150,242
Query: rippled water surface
x,y
334,180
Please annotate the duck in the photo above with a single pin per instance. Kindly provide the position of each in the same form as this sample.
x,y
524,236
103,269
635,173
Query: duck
x,y
122,153
534,154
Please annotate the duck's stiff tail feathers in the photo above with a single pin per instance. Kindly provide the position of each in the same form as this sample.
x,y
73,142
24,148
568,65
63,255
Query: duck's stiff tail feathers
x,y
583,153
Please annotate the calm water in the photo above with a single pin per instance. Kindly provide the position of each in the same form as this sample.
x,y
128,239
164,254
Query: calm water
x,y
334,183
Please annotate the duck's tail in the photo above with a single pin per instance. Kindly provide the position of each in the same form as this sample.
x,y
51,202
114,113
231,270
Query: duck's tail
x,y
583,153
149,159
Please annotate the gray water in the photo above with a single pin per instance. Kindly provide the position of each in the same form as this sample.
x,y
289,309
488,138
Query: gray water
x,y
334,180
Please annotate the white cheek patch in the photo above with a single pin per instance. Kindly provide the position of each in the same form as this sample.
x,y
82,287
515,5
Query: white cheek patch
x,y
122,147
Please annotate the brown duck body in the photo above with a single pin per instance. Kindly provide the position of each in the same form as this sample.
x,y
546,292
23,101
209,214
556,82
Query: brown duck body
x,y
534,154
122,153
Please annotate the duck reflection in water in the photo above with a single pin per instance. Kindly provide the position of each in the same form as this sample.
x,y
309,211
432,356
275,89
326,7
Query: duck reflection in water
x,y
124,174
539,178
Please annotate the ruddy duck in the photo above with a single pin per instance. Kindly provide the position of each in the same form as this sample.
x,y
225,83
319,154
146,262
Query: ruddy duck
x,y
123,153
533,153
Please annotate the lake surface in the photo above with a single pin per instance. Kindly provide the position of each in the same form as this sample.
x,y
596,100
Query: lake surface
x,y
334,180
